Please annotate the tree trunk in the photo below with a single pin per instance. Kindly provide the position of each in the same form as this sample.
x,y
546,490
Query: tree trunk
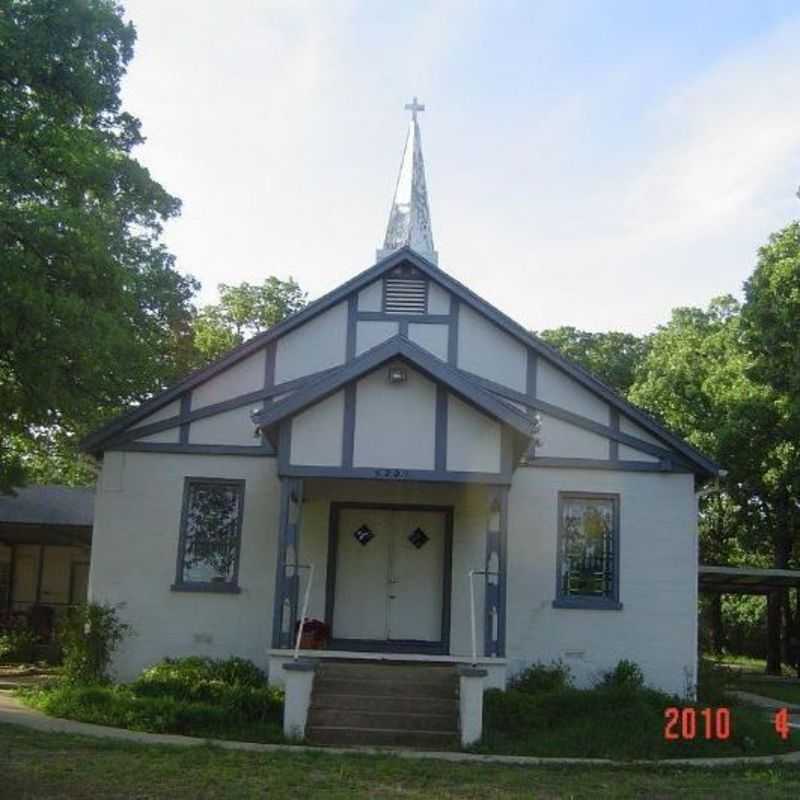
x,y
774,633
717,626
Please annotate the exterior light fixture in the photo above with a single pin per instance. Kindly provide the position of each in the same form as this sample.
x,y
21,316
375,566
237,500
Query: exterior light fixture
x,y
397,375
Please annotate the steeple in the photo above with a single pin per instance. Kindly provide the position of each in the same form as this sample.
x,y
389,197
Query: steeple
x,y
410,218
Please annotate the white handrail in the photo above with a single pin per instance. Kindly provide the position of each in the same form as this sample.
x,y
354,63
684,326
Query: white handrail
x,y
302,622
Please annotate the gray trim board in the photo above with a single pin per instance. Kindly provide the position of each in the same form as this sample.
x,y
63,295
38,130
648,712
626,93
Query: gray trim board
x,y
531,368
393,474
385,316
452,333
349,425
441,647
186,409
421,359
591,463
286,585
352,317
181,585
587,601
195,449
440,444
613,444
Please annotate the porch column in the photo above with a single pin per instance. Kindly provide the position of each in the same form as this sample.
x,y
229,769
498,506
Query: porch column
x,y
284,616
494,632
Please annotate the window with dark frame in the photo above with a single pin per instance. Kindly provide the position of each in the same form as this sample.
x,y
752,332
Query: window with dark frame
x,y
210,535
588,543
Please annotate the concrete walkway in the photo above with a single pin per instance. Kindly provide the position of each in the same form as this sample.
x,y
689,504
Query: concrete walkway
x,y
13,712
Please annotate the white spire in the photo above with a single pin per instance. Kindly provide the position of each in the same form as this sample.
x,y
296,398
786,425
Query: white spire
x,y
410,218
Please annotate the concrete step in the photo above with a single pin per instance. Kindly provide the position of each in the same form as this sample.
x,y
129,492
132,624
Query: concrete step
x,y
422,673
388,703
383,687
382,737
382,720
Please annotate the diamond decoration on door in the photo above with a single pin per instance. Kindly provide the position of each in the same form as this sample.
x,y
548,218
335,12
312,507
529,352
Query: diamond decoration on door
x,y
363,535
418,537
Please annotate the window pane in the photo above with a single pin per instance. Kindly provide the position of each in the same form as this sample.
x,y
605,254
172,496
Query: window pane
x,y
211,536
587,547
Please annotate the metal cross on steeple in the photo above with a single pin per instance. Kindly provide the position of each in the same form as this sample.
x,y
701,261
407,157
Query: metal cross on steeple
x,y
414,106
410,218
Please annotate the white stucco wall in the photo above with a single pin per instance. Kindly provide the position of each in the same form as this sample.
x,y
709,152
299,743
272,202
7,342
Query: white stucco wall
x,y
169,436
134,552
245,376
658,577
556,387
488,351
473,439
395,422
559,439
316,345
631,454
370,298
317,433
438,299
433,338
632,429
234,427
167,412
370,333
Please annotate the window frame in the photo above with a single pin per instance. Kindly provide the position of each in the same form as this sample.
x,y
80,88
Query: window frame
x,y
587,601
181,585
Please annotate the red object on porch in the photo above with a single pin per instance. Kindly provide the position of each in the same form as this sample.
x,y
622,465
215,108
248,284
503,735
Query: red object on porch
x,y
314,636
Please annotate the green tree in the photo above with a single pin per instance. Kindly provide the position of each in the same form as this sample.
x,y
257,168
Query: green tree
x,y
242,312
699,378
93,315
613,357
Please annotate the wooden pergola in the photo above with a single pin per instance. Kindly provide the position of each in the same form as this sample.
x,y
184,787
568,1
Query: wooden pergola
x,y
746,580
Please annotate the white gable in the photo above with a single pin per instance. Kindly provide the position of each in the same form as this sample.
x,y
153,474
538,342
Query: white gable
x,y
243,377
557,388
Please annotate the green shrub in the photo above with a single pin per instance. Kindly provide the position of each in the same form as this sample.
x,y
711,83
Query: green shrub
x,y
17,646
713,683
626,675
543,678
89,635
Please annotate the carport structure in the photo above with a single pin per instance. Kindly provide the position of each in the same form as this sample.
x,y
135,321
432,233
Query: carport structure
x,y
749,580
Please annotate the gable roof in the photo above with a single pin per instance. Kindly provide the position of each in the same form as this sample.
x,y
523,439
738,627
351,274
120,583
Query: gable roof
x,y
94,441
394,348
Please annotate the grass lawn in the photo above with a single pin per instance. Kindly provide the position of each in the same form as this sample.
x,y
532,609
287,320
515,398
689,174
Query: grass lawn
x,y
788,692
38,766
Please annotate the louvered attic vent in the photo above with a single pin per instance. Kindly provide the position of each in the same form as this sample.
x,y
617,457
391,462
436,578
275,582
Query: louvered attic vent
x,y
405,296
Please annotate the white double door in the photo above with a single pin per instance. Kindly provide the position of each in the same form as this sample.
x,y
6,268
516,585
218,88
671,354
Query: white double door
x,y
391,588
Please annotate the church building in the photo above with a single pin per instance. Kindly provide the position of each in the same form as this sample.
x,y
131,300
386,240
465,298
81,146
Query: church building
x,y
432,482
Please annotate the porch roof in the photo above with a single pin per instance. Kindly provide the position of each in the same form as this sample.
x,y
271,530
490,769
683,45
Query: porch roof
x,y
396,348
746,580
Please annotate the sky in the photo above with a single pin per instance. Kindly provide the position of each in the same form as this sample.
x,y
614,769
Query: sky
x,y
593,164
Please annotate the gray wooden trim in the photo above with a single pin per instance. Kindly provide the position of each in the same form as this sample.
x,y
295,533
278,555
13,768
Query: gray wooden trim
x,y
94,442
393,474
531,369
442,646
421,319
270,355
403,328
576,601
186,409
232,403
452,333
195,449
180,584
506,451
613,444
421,359
592,463
286,584
349,425
284,445
440,444
574,419
352,323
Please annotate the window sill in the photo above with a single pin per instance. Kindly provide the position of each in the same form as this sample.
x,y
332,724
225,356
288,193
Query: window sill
x,y
602,604
211,588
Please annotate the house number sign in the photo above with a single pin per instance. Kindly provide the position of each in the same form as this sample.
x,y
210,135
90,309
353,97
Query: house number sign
x,y
396,474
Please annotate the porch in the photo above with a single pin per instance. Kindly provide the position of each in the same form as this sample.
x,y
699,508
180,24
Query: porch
x,y
396,572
